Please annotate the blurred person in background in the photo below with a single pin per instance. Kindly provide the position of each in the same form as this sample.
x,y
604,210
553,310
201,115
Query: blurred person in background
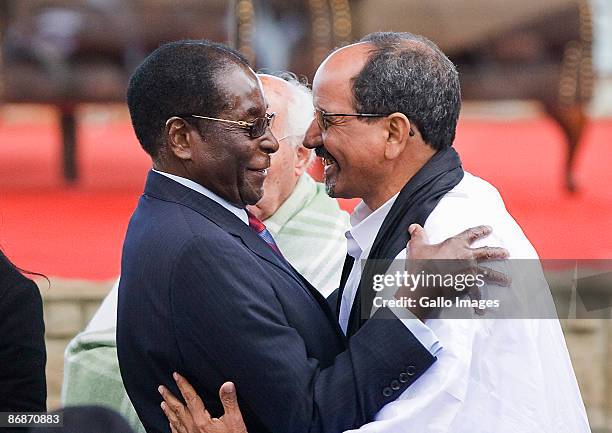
x,y
296,210
57,37
23,386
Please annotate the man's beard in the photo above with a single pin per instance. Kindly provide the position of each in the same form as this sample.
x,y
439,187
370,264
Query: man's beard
x,y
330,185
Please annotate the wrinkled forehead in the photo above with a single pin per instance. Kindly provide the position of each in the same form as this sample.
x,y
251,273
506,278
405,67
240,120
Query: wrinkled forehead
x,y
260,87
243,90
332,84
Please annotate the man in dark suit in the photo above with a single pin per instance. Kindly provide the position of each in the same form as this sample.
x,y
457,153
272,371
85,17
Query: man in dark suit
x,y
204,289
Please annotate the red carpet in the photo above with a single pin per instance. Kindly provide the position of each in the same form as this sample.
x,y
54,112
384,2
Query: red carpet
x,y
77,232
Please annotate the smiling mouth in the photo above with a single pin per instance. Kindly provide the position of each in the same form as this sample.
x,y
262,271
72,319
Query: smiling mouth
x,y
327,159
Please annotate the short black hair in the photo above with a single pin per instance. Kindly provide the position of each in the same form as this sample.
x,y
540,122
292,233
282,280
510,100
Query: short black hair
x,y
415,79
178,78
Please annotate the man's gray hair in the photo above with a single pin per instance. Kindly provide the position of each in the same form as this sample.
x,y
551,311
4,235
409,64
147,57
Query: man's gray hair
x,y
409,74
300,110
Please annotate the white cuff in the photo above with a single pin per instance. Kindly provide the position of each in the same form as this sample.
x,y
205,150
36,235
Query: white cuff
x,y
420,330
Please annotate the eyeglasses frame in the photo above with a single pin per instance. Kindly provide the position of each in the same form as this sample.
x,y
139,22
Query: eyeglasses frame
x,y
325,114
240,123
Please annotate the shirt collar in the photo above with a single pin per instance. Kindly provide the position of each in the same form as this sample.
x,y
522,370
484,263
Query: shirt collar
x,y
365,225
239,212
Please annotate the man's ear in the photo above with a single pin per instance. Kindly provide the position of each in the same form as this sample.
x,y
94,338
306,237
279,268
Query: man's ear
x,y
178,133
302,160
399,132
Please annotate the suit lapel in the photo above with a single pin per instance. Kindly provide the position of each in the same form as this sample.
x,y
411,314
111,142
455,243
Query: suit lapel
x,y
259,247
321,301
163,188
346,271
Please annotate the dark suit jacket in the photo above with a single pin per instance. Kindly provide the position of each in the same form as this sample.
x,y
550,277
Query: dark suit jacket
x,y
203,295
23,387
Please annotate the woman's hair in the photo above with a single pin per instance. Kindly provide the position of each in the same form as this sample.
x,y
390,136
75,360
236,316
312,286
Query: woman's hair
x,y
23,271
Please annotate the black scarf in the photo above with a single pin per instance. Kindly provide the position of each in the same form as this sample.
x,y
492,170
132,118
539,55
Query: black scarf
x,y
415,202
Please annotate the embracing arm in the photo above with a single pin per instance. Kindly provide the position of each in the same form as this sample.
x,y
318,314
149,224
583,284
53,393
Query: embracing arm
x,y
194,418
239,330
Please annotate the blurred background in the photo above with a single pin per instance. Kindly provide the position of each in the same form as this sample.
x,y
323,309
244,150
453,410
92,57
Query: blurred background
x,y
537,123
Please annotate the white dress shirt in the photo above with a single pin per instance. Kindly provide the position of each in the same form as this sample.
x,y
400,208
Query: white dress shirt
x,y
492,375
238,211
360,237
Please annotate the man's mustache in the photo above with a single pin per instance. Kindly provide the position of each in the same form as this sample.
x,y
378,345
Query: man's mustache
x,y
322,152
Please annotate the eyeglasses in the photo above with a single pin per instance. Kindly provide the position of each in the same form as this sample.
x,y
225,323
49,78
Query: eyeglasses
x,y
324,123
256,128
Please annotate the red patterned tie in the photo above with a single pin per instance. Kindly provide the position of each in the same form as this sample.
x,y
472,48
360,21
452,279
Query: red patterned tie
x,y
263,232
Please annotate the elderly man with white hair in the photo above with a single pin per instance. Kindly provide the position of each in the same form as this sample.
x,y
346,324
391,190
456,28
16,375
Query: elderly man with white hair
x,y
307,225
295,208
